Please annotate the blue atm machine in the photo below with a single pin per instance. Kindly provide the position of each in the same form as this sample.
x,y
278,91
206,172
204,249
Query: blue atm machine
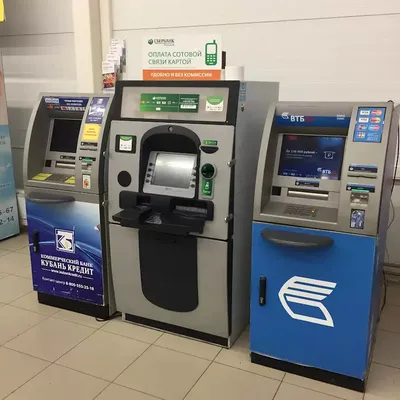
x,y
321,209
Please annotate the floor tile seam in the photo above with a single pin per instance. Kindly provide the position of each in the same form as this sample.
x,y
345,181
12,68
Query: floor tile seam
x,y
17,298
13,274
385,365
187,354
127,337
14,250
75,322
250,372
26,354
137,390
26,330
387,330
58,364
26,309
279,386
33,377
197,380
136,359
103,391
72,348
392,304
315,391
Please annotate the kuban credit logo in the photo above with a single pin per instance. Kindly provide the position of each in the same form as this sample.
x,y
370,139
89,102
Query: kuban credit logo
x,y
310,293
65,241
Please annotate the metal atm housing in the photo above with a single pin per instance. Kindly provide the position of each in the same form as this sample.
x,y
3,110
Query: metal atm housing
x,y
65,186
321,209
182,170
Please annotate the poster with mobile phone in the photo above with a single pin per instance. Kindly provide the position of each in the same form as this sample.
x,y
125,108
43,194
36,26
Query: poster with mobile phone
x,y
181,57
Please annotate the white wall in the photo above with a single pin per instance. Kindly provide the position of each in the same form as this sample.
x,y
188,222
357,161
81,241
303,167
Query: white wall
x,y
37,43
317,49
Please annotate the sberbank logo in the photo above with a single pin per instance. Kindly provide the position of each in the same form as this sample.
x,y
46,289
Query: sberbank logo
x,y
165,42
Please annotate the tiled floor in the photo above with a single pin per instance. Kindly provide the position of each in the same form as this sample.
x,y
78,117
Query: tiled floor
x,y
51,354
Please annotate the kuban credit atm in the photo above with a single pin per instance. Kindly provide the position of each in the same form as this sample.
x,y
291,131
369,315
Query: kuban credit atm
x,y
65,187
181,175
321,207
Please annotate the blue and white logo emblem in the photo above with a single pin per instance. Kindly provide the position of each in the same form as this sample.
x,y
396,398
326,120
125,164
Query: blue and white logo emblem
x,y
307,292
65,240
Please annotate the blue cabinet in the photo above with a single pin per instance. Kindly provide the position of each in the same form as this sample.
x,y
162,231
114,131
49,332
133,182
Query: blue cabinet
x,y
321,303
66,250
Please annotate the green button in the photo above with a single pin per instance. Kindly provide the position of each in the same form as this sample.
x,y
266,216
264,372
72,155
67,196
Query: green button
x,y
207,187
207,171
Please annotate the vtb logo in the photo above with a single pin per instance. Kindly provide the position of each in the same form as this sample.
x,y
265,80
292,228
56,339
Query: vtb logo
x,y
307,292
65,240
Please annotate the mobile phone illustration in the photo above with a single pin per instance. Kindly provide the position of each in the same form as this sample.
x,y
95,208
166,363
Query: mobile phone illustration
x,y
211,53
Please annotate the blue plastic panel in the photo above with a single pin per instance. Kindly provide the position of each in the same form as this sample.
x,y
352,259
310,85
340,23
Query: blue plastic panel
x,y
318,301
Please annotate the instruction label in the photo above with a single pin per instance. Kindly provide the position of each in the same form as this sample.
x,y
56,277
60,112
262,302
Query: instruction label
x,y
91,133
215,103
41,177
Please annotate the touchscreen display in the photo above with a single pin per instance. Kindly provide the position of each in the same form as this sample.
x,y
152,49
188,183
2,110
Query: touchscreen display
x,y
173,170
65,135
309,156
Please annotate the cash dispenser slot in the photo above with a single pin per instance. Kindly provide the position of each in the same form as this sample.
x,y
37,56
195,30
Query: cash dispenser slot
x,y
65,164
308,194
163,214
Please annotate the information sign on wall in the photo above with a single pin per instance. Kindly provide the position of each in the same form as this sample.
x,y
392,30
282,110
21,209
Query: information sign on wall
x,y
181,57
9,221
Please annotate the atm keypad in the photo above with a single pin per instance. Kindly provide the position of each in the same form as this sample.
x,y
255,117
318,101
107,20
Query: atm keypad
x,y
57,178
301,211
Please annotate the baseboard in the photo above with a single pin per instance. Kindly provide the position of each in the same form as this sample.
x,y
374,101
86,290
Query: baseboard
x,y
317,374
92,310
179,330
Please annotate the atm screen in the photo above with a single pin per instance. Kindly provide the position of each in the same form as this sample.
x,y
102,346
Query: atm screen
x,y
309,156
65,135
173,170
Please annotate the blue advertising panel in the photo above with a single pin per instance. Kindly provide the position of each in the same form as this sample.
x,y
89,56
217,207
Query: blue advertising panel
x,y
66,251
66,103
319,307
97,110
9,221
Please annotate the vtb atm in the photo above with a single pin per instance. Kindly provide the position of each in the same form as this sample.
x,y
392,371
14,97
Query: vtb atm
x,y
324,182
181,176
65,187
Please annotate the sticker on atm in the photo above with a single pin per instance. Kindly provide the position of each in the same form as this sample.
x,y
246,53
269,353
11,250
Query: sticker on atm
x,y
91,133
357,218
86,182
360,188
307,183
215,103
41,177
70,180
363,168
